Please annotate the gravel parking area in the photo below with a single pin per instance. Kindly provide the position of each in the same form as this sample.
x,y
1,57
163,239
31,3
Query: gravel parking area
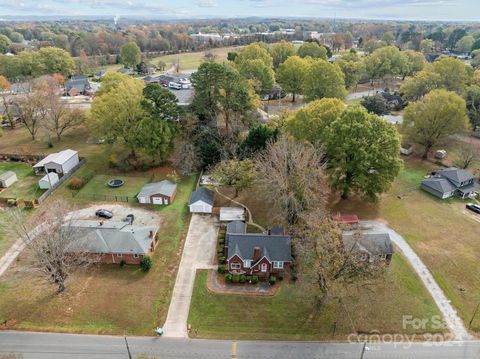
x,y
119,211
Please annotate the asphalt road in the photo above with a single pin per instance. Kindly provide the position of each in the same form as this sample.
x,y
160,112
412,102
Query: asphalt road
x,y
55,346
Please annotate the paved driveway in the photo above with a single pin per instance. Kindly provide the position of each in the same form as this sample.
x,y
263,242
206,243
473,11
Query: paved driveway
x,y
198,253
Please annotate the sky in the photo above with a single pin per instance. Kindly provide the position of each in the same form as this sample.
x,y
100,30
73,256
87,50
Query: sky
x,y
181,9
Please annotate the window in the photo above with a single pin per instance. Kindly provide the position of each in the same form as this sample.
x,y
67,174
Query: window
x,y
383,256
247,263
264,267
235,266
278,265
119,255
135,256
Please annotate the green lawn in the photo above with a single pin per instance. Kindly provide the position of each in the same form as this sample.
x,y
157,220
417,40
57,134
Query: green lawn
x,y
106,299
286,316
27,185
192,60
97,188
440,232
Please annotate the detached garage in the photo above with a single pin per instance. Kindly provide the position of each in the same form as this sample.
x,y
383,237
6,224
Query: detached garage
x,y
201,201
61,163
7,179
160,193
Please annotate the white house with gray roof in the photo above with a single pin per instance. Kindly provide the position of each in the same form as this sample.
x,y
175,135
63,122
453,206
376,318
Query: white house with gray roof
x,y
451,182
160,193
368,245
116,241
201,201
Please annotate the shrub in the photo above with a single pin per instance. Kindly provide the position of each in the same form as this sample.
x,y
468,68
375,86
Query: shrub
x,y
272,280
221,240
76,183
236,278
243,279
221,260
249,278
221,269
146,263
11,202
375,104
281,275
228,277
255,279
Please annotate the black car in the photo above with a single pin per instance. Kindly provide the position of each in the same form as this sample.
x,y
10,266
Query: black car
x,y
104,213
473,207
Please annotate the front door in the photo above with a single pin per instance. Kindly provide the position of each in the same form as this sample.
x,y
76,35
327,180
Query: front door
x,y
264,267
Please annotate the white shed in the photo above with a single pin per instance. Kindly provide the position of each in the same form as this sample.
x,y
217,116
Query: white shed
x,y
201,201
60,163
7,179
48,180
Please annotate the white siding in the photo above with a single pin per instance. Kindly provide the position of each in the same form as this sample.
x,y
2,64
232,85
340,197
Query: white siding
x,y
72,162
200,207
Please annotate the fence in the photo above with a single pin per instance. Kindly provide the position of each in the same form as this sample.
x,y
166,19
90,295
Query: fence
x,y
45,195
104,197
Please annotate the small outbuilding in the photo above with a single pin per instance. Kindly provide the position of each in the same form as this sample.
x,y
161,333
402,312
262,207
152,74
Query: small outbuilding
x,y
201,201
228,214
48,181
161,193
7,179
61,163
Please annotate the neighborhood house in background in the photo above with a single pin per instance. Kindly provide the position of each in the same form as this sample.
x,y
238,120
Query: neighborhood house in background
x,y
201,201
116,242
162,192
61,163
256,253
368,245
449,182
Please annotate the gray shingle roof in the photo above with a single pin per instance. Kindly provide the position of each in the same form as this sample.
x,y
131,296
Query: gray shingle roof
x,y
373,243
80,84
202,194
456,175
165,187
439,184
114,237
236,227
274,248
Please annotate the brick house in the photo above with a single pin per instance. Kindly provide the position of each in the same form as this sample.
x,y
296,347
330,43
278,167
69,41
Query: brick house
x,y
116,241
257,254
162,193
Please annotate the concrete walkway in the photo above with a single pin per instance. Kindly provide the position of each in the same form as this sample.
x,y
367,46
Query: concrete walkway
x,y
452,320
16,249
198,253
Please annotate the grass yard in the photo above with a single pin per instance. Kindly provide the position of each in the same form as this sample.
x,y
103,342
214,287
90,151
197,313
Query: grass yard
x,y
192,60
442,233
286,316
27,185
106,299
97,188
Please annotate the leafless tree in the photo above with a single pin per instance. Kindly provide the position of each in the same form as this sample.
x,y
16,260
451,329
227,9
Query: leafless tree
x,y
291,175
31,107
59,116
54,242
326,266
466,155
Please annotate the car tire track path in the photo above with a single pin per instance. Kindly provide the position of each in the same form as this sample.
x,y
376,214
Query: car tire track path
x,y
453,321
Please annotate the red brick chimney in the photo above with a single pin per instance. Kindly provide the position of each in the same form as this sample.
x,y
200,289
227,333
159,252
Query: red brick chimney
x,y
256,253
